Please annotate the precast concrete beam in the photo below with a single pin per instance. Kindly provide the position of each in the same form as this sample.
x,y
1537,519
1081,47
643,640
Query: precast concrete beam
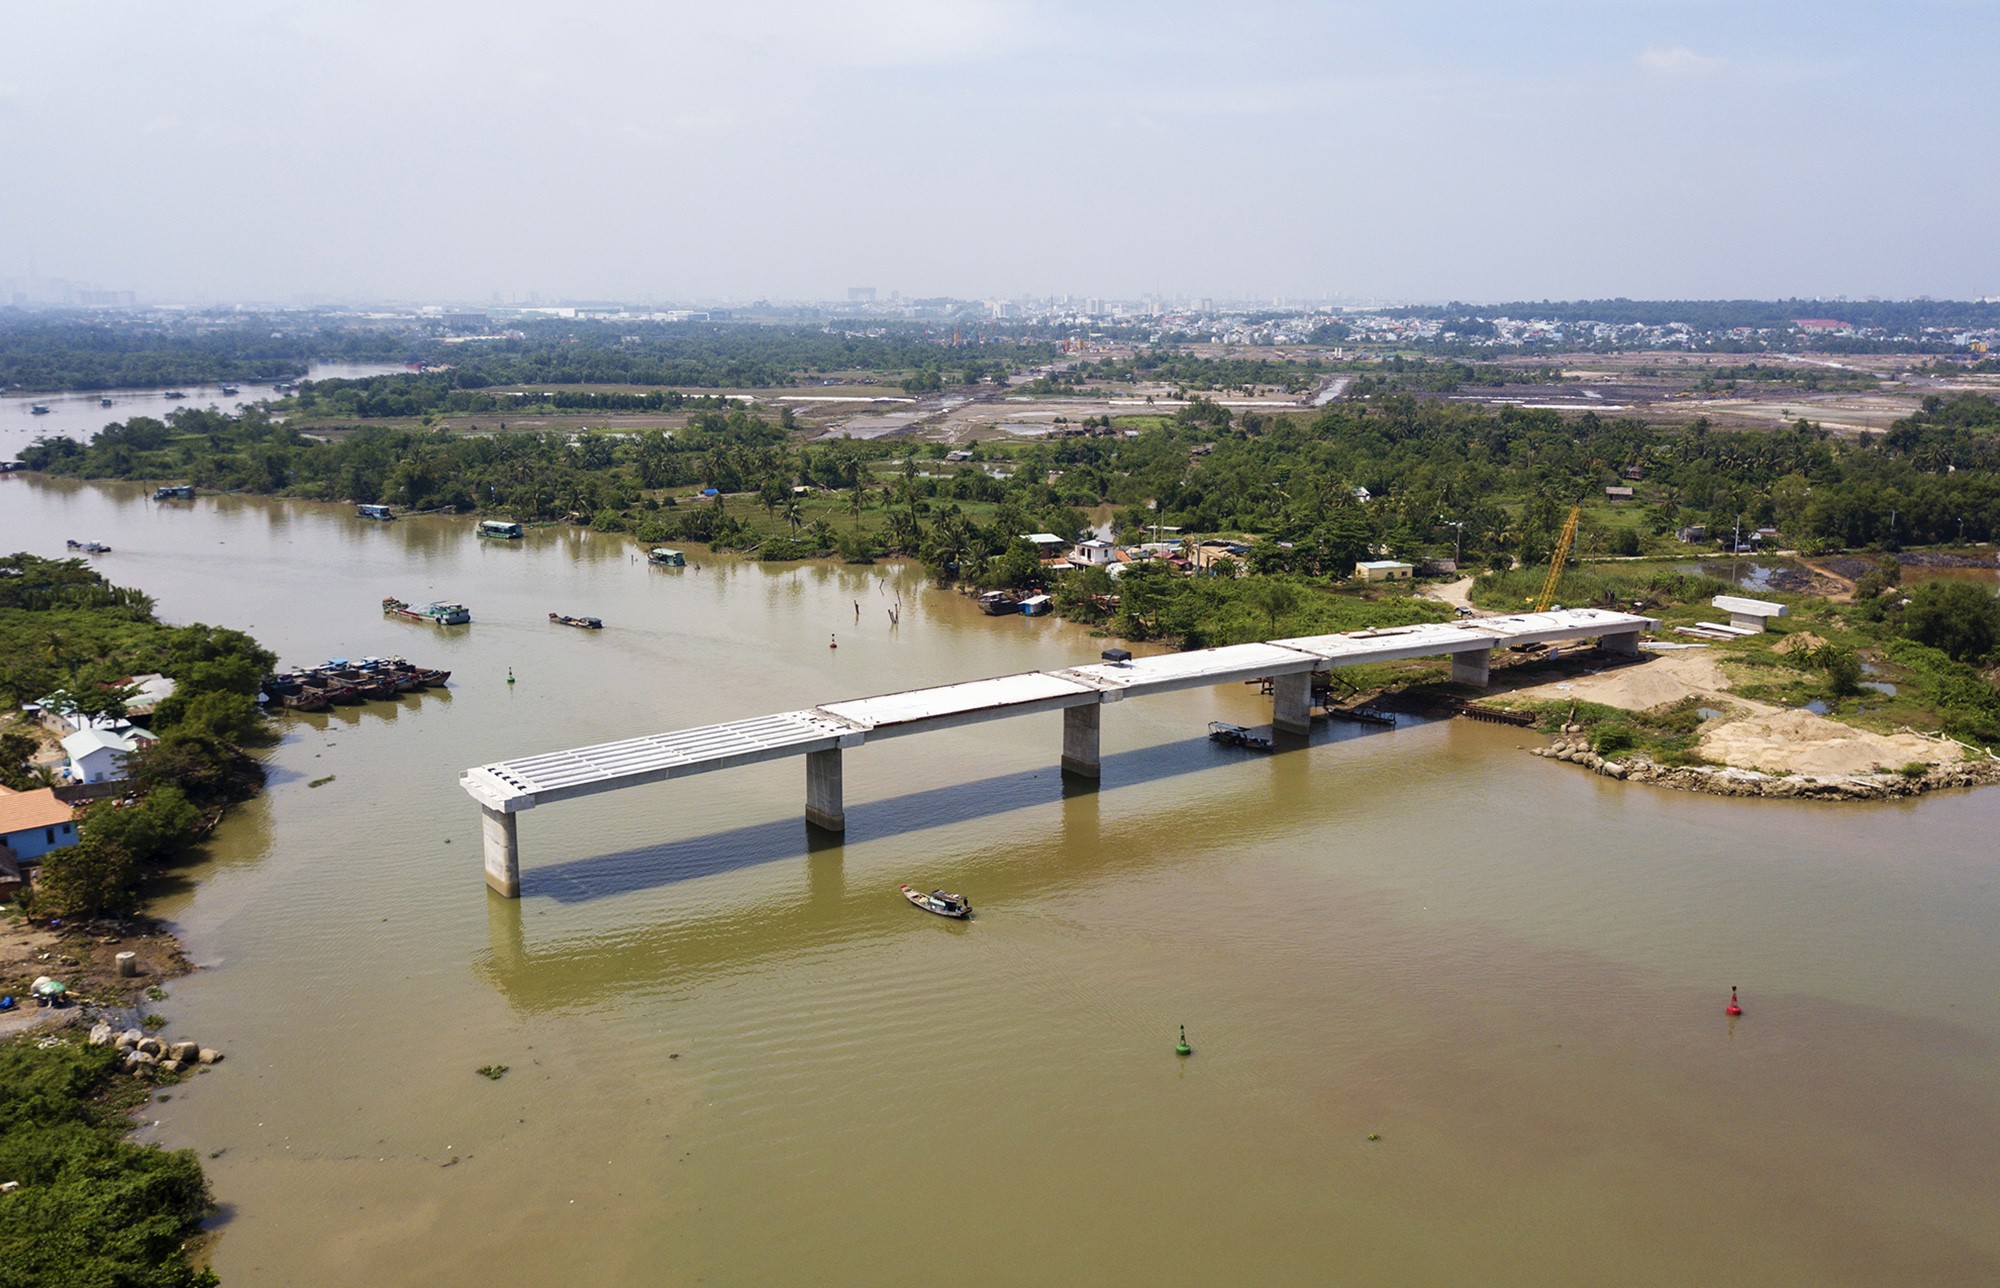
x,y
1081,726
1473,667
1291,702
824,808
503,851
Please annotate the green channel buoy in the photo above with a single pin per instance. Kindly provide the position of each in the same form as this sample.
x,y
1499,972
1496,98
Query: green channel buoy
x,y
510,675
1182,1048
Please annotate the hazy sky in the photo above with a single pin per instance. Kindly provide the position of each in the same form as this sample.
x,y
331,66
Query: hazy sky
x,y
1470,149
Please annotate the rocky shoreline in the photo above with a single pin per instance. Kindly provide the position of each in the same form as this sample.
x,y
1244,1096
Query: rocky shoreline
x,y
1725,780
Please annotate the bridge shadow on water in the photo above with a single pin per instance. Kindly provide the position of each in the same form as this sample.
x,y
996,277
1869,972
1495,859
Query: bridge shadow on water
x,y
650,867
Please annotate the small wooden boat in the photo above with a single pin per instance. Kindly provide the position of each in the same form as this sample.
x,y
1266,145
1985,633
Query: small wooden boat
x,y
939,902
89,547
587,623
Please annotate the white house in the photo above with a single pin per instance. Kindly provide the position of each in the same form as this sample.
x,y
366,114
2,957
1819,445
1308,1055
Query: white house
x,y
1094,553
98,755
1383,570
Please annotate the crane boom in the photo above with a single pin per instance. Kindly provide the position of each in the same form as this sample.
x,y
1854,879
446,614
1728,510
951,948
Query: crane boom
x,y
1558,559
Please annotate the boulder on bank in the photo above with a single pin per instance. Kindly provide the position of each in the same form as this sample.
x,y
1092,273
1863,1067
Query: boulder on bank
x,y
101,1034
209,1055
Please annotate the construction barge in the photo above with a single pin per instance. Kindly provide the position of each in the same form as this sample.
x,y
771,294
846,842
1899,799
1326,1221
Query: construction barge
x,y
339,682
438,614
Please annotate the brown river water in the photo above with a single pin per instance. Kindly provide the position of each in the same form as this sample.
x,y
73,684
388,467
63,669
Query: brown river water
x,y
736,1057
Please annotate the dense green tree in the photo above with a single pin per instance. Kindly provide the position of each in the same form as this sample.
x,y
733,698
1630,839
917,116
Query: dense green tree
x,y
1960,618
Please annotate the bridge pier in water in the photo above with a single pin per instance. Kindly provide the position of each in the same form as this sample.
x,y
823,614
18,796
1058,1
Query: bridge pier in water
x,y
824,806
503,851
1291,702
1081,727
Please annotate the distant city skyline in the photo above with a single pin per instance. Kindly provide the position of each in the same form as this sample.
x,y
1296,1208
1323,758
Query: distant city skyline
x,y
998,149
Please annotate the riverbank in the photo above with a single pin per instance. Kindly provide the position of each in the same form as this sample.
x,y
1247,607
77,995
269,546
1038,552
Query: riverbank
x,y
84,956
1729,780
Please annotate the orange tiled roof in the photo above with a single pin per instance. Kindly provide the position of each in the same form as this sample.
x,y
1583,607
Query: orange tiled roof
x,y
20,811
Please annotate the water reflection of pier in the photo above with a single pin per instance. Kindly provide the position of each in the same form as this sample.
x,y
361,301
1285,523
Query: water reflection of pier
x,y
820,734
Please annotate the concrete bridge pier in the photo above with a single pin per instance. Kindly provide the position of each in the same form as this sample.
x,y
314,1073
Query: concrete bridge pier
x,y
1473,668
1081,727
1626,642
503,851
824,808
1291,702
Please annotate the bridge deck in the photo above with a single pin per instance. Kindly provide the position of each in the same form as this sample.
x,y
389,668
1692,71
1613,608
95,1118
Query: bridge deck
x,y
514,785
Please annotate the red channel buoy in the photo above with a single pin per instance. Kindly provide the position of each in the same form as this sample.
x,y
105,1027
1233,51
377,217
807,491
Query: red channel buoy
x,y
1733,1008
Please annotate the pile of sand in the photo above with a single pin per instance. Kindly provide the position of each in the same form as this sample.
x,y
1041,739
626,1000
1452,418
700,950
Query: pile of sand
x,y
1801,742
1800,640
1655,682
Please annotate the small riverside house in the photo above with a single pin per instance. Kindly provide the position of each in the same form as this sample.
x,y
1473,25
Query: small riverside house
x,y
146,693
1094,553
1384,570
98,755
33,823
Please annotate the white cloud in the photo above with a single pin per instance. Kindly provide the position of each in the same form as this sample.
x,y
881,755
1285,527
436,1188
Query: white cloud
x,y
1680,61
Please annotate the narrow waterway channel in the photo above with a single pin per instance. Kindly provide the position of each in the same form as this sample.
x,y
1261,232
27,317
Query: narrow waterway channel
x,y
736,1058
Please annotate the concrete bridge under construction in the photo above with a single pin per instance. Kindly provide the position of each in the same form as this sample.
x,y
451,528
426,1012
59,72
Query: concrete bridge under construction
x,y
820,734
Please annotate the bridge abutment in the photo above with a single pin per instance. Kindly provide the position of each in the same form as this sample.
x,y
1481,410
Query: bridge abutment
x,y
1081,727
1291,702
503,851
1626,642
824,807
1473,668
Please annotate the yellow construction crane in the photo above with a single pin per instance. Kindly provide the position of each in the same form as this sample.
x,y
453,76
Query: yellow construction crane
x,y
1558,559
